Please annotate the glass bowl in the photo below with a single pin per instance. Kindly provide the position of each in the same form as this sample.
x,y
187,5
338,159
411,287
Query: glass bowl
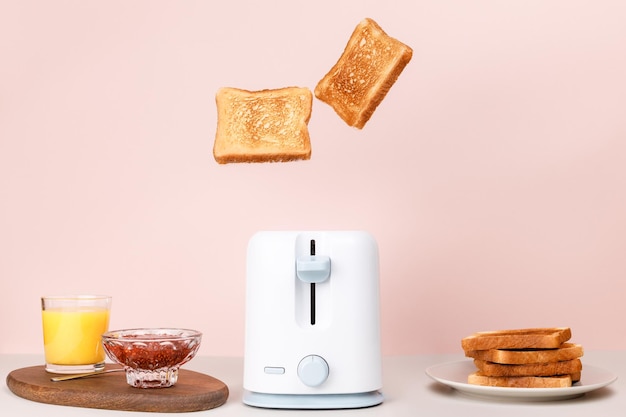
x,y
151,357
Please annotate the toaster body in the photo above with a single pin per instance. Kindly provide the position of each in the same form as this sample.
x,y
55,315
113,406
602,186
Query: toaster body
x,y
312,320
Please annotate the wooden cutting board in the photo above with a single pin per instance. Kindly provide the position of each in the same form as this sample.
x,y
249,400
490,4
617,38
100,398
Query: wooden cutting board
x,y
192,392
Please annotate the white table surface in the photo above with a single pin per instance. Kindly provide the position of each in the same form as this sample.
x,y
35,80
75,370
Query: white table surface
x,y
407,389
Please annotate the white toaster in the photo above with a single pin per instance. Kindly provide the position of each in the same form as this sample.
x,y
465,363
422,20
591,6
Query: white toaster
x,y
312,321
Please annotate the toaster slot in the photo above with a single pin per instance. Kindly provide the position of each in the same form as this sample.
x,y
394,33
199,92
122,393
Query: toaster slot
x,y
312,287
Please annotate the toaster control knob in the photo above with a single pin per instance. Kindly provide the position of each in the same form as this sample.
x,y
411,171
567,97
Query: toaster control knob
x,y
313,370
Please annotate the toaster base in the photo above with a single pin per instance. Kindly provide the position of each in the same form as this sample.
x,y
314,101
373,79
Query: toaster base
x,y
312,401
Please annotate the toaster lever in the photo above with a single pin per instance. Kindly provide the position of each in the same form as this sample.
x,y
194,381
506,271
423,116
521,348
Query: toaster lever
x,y
313,269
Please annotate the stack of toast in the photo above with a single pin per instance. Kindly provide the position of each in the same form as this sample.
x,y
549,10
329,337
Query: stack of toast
x,y
272,125
524,358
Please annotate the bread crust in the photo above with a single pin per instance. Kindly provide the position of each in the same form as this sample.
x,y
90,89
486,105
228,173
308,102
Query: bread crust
x,y
262,126
561,381
534,369
368,67
567,351
533,338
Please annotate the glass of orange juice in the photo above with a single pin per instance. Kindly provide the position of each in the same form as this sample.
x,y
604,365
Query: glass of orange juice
x,y
72,332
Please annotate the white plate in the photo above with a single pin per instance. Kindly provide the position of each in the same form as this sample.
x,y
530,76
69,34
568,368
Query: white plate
x,y
454,375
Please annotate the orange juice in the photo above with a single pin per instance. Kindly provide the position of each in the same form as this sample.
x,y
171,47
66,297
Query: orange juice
x,y
73,337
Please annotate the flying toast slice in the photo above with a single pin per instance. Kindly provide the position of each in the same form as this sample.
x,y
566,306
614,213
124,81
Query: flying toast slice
x,y
370,64
262,126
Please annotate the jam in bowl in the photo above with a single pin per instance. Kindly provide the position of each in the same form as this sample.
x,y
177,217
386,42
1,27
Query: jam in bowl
x,y
151,357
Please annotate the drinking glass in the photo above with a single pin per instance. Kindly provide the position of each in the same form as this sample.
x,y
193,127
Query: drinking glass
x,y
72,332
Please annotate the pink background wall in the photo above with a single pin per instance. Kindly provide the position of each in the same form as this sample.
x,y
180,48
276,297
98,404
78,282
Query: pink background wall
x,y
493,175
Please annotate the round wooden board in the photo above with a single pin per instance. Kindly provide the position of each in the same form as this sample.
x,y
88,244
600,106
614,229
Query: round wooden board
x,y
193,391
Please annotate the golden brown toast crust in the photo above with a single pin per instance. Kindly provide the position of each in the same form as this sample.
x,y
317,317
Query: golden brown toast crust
x,y
561,381
567,351
262,126
369,65
535,338
535,369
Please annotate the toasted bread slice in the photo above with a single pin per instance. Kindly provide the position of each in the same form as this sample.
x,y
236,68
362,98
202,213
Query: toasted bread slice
x,y
537,338
370,64
567,351
560,381
262,126
535,369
